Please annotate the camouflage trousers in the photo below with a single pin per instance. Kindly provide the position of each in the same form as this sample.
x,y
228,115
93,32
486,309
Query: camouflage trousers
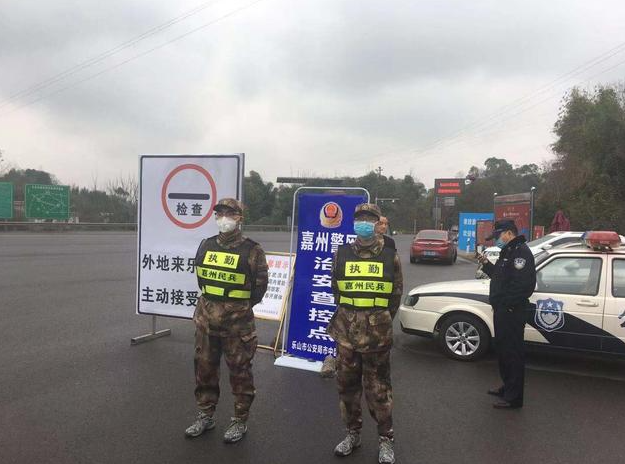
x,y
372,371
238,352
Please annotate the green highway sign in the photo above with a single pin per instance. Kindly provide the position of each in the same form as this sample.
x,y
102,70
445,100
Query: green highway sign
x,y
6,200
46,201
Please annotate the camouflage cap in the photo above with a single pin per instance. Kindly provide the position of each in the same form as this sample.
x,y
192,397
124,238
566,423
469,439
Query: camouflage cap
x,y
368,208
229,204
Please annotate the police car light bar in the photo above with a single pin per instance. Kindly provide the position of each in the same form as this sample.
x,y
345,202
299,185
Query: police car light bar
x,y
602,239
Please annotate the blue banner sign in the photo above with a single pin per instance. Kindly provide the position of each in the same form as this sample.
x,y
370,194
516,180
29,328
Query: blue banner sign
x,y
324,223
466,229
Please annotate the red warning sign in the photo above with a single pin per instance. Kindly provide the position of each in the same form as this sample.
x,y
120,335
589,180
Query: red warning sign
x,y
188,196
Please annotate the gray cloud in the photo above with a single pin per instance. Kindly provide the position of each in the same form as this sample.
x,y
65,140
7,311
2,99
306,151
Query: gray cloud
x,y
308,86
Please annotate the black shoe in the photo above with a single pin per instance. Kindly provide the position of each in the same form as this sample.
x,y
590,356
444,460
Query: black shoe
x,y
496,391
503,404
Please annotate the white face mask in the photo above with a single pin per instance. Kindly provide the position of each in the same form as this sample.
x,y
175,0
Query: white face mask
x,y
226,224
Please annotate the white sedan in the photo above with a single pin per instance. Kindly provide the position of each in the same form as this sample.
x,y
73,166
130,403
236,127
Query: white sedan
x,y
539,245
580,300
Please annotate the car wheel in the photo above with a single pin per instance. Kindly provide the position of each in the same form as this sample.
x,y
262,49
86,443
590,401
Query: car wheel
x,y
463,337
455,256
413,260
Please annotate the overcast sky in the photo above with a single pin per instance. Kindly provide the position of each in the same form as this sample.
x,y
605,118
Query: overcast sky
x,y
303,87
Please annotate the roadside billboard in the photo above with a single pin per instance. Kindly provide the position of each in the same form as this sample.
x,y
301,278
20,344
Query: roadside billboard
x,y
539,231
448,187
517,207
482,230
467,229
6,200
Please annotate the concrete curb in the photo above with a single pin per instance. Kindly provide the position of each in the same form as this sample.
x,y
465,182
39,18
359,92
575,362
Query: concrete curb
x,y
467,256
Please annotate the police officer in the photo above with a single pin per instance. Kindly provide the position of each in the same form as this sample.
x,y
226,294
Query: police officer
x,y
232,276
513,279
367,284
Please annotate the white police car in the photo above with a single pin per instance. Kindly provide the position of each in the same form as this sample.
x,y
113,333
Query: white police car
x,y
579,298
546,242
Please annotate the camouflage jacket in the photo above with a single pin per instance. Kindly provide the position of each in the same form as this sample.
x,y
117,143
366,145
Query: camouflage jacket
x,y
233,318
366,330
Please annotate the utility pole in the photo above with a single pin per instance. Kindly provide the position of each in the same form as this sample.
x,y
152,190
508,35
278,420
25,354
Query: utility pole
x,y
377,190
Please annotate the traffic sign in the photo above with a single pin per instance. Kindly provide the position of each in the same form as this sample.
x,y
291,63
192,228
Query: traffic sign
x,y
177,194
188,196
46,201
6,200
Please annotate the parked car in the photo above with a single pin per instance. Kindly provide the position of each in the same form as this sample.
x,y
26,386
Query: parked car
x,y
579,298
553,240
546,242
436,245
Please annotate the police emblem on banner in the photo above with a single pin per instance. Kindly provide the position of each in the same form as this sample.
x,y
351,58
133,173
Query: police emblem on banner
x,y
331,215
519,263
549,314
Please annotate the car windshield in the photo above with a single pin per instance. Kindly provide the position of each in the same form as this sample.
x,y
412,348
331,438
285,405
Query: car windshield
x,y
432,235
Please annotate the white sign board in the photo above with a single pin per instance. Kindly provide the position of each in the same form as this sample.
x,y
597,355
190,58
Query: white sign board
x,y
273,302
177,195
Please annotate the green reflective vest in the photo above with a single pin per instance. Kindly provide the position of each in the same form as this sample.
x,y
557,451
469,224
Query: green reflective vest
x,y
224,273
364,283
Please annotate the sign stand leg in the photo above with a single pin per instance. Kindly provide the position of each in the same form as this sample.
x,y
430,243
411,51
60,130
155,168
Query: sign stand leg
x,y
276,343
278,336
274,347
150,336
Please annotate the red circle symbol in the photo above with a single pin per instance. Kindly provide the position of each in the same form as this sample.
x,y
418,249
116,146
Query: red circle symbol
x,y
213,196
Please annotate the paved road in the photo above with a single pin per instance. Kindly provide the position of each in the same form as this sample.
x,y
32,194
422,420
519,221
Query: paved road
x,y
72,390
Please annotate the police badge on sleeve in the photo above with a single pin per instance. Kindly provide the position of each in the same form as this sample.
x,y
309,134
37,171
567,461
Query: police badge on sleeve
x,y
519,263
549,314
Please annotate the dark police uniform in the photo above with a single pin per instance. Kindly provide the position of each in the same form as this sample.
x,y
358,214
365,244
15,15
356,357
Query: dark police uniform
x,y
389,242
513,279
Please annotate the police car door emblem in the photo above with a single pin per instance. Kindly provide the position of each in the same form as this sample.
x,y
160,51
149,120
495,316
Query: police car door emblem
x,y
519,263
549,314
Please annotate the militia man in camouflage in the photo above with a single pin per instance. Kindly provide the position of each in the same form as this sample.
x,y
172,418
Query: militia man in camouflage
x,y
232,276
367,284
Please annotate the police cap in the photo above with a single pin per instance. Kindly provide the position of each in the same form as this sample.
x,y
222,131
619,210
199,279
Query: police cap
x,y
502,226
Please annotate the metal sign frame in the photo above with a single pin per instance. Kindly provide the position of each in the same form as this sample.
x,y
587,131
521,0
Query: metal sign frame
x,y
154,334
